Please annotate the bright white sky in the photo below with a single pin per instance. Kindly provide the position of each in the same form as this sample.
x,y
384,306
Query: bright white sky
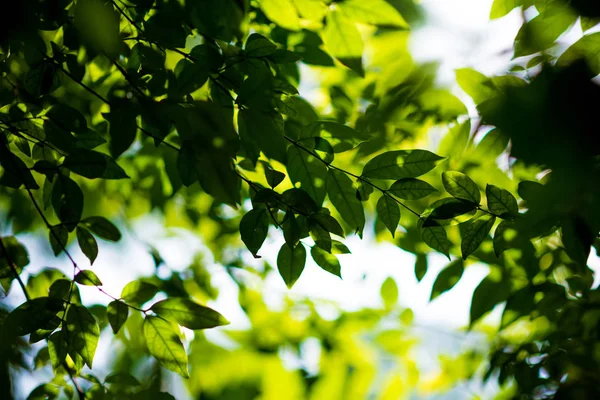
x,y
458,34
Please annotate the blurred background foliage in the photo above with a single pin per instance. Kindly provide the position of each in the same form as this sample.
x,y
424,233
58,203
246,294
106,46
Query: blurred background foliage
x,y
229,119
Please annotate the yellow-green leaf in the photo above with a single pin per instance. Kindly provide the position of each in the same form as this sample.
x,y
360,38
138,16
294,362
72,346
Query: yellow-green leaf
x,y
188,313
343,41
373,12
164,344
282,12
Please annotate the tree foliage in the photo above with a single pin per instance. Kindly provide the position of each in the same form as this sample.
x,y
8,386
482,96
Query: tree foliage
x,y
191,109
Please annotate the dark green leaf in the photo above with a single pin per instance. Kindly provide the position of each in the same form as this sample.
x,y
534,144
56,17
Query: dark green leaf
x,y
87,163
493,143
343,196
308,171
388,212
259,46
327,222
474,232
58,236
254,227
447,278
164,344
489,293
117,313
341,137
87,244
501,202
17,254
411,189
122,378
67,201
88,278
290,263
273,177
266,130
122,127
502,236
102,228
68,118
435,236
460,186
400,164
420,266
325,260
449,208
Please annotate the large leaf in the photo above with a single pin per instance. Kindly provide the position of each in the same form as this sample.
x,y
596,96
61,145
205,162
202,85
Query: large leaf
x,y
435,236
474,232
164,344
282,12
501,202
266,130
67,201
373,12
254,227
343,196
138,292
343,41
475,84
103,228
400,164
83,332
588,47
447,278
411,189
290,263
489,293
388,212
188,313
460,186
325,260
308,171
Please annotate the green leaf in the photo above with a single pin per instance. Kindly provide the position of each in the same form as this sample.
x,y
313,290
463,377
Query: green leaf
x,y
88,278
475,84
577,238
117,313
188,313
447,278
501,202
327,222
17,254
58,236
588,47
273,177
46,391
68,118
259,46
460,186
389,292
493,143
411,189
122,127
282,12
388,212
266,130
67,201
290,263
343,196
434,235
122,378
191,76
400,164
254,227
308,171
373,12
325,260
541,32
165,27
474,232
138,292
489,293
57,349
502,236
449,208
102,228
87,163
30,316
343,41
338,247
164,344
83,332
420,266
341,137
87,244
502,7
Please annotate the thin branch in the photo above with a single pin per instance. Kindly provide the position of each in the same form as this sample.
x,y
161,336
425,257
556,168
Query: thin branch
x,y
13,268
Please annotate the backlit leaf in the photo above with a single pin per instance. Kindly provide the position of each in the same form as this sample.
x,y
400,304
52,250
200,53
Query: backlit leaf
x,y
501,202
164,344
460,186
343,196
83,332
87,244
411,189
389,212
400,164
325,260
188,313
343,41
474,232
254,227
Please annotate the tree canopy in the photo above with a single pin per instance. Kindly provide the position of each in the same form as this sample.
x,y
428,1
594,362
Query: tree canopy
x,y
192,112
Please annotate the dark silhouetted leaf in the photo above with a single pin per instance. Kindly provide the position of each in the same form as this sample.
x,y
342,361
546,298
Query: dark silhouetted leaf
x,y
254,227
87,244
389,212
102,228
501,202
474,232
447,278
117,313
460,186
188,313
400,164
411,189
290,263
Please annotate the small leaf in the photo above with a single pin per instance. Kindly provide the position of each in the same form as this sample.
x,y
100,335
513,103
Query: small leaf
x,y
447,278
325,260
420,266
88,278
411,189
188,313
474,232
493,143
308,171
273,177
87,244
343,196
57,349
501,202
138,292
122,378
67,201
103,228
328,223
254,227
475,84
434,235
577,238
449,208
164,344
460,186
389,212
87,163
486,296
58,236
290,263
83,332
117,313
400,164
389,292
259,46
341,137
